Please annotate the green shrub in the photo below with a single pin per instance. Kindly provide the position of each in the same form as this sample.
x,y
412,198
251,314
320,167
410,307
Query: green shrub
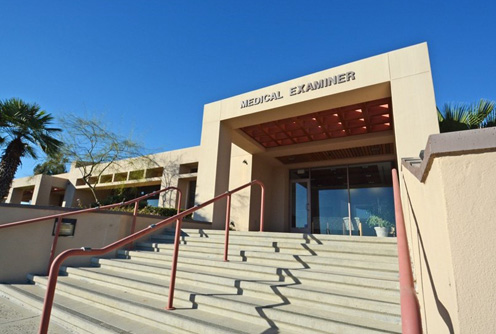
x,y
375,220
150,210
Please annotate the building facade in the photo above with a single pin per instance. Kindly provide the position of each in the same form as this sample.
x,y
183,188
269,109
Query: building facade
x,y
323,145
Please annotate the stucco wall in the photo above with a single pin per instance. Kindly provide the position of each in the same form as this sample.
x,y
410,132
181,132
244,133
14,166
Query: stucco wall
x,y
241,166
25,249
453,241
430,246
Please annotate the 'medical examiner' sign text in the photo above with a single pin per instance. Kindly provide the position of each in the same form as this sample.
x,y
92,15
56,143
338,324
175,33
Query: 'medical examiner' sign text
x,y
300,89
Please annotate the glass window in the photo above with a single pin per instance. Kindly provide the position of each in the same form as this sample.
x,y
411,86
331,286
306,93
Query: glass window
x,y
363,193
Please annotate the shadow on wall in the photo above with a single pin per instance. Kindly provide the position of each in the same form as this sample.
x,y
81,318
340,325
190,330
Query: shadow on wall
x,y
240,218
443,312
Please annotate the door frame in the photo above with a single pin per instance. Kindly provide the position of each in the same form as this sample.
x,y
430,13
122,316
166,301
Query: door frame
x,y
308,228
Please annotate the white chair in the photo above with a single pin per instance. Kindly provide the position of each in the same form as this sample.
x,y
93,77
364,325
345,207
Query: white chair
x,y
355,225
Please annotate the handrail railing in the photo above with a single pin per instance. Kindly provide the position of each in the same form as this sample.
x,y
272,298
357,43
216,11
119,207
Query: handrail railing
x,y
410,311
54,269
59,216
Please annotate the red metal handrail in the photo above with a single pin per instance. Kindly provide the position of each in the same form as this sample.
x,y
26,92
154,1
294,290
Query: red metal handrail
x,y
59,216
54,269
410,310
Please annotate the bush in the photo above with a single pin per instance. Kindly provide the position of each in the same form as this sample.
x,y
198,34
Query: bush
x,y
150,210
374,220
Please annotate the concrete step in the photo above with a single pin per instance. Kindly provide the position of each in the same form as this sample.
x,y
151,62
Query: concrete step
x,y
76,316
288,316
270,263
260,263
272,283
151,309
278,236
203,272
273,292
366,299
288,246
285,315
287,260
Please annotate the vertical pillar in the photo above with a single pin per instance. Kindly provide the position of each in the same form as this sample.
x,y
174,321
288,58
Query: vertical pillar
x,y
42,190
15,196
213,167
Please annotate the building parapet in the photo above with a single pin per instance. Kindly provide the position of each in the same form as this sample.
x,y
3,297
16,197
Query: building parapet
x,y
450,144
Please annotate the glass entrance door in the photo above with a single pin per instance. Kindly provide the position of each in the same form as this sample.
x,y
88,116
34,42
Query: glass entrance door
x,y
343,200
300,206
329,206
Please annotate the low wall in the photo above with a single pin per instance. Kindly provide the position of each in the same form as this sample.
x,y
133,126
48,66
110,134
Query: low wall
x,y
450,208
25,249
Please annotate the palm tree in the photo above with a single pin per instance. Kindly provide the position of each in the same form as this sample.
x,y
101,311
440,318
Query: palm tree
x,y
457,117
23,126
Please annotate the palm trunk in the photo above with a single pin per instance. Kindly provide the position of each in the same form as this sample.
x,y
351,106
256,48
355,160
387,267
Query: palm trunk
x,y
11,160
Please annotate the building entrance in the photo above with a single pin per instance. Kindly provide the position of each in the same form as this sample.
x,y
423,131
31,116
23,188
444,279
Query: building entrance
x,y
342,200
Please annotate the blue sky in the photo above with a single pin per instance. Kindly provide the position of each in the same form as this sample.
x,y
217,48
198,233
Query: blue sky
x,y
150,66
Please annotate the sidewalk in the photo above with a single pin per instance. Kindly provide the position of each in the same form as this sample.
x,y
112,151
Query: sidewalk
x,y
15,319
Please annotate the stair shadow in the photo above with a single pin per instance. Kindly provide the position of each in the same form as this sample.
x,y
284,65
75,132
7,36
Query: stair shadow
x,y
311,251
276,289
283,275
309,237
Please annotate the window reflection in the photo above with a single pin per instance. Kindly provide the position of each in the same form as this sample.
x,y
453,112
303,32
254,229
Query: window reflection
x,y
344,200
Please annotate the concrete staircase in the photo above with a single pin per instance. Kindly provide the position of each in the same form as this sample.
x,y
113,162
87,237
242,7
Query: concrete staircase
x,y
273,283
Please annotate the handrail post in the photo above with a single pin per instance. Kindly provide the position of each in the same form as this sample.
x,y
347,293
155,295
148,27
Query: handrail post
x,y
410,313
54,242
49,295
228,218
172,282
180,195
262,206
133,225
135,213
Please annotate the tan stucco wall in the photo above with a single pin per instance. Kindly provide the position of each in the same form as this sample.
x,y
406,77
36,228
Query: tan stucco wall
x,y
430,247
454,249
275,179
25,249
241,166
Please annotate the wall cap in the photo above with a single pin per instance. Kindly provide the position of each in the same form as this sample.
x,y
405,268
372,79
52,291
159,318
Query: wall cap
x,y
451,144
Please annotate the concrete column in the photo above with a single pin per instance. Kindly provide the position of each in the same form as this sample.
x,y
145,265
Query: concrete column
x,y
15,196
70,190
213,167
414,104
42,190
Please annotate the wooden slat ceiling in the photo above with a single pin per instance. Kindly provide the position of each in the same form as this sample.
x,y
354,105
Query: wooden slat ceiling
x,y
354,152
367,117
